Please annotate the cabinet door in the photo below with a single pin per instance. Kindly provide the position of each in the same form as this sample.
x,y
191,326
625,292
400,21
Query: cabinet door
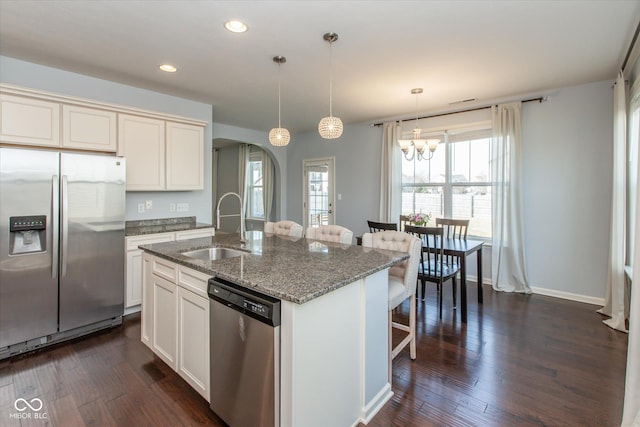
x,y
193,346
133,286
185,157
146,326
29,121
88,128
141,142
165,320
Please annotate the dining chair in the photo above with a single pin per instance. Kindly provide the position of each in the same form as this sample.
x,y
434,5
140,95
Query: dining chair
x,y
375,227
402,283
330,233
283,228
404,220
454,228
433,266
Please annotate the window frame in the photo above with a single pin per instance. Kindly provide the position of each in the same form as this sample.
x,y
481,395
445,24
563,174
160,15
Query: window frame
x,y
254,157
477,132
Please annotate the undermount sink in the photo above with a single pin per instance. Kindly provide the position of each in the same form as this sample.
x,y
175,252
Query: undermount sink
x,y
213,254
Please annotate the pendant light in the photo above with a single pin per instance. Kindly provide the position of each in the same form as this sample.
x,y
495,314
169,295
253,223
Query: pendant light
x,y
279,136
330,127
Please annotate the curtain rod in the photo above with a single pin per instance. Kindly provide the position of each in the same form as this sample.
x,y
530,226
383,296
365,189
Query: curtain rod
x,y
633,42
539,99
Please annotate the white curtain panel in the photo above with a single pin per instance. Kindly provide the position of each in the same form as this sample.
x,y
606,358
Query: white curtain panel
x,y
614,296
267,184
390,174
631,413
508,258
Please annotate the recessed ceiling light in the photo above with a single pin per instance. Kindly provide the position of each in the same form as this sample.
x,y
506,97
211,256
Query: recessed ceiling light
x,y
235,26
168,68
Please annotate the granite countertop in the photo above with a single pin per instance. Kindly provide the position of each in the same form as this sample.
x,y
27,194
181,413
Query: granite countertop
x,y
162,225
296,270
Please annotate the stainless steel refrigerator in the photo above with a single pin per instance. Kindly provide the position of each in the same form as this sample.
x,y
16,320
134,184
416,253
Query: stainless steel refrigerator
x,y
61,248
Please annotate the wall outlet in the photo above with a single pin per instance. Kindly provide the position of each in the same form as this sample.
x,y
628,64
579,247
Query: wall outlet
x,y
172,207
140,207
149,204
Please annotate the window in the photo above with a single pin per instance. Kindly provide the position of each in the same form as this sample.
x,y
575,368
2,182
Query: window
x,y
455,183
254,188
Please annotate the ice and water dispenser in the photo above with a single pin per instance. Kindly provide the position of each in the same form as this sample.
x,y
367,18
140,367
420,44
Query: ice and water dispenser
x,y
27,234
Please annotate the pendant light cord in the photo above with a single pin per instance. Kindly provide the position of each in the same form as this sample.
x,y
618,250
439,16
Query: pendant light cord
x,y
279,80
330,81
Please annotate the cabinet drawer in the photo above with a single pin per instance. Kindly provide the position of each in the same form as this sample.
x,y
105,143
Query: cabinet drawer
x,y
134,241
163,268
193,234
193,280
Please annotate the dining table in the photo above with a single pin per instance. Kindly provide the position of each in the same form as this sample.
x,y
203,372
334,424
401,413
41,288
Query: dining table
x,y
462,248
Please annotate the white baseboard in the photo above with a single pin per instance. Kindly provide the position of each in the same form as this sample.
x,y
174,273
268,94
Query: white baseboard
x,y
567,295
551,293
131,310
374,406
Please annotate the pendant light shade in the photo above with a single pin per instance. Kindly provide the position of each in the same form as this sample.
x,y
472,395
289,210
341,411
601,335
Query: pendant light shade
x,y
279,136
330,127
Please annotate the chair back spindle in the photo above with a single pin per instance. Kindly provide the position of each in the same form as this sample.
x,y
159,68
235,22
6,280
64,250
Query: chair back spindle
x,y
375,227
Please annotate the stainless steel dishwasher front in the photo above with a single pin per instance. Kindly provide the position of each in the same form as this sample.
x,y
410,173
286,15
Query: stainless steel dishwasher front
x,y
245,355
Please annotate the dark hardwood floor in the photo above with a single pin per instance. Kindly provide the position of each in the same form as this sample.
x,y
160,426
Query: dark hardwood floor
x,y
520,360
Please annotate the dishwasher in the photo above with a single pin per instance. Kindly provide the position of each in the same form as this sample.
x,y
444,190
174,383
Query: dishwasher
x,y
245,355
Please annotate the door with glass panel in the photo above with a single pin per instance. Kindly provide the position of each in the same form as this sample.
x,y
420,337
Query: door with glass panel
x,y
318,204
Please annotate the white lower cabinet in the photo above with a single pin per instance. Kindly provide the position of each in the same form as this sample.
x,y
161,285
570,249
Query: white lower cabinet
x,y
133,261
175,319
165,315
193,342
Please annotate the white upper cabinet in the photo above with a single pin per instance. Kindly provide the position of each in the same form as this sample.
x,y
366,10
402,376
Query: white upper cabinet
x,y
29,121
161,155
141,141
185,157
89,128
163,152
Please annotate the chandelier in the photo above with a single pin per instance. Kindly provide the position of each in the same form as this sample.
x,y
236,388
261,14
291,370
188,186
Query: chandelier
x,y
330,127
417,146
279,136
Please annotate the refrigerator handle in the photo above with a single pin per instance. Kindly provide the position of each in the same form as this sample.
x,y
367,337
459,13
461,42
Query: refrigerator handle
x,y
55,210
64,224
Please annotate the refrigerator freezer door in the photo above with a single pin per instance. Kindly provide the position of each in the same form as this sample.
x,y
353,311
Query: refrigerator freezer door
x,y
92,239
29,280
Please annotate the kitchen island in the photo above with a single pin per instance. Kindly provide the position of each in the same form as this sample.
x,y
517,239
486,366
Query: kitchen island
x,y
334,332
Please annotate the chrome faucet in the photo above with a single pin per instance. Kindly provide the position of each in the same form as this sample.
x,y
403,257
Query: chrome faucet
x,y
241,215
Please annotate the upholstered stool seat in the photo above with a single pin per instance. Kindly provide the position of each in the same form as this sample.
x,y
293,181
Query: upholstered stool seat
x,y
402,283
284,228
330,233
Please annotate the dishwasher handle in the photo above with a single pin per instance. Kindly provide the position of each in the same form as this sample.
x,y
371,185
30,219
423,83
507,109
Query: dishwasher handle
x,y
254,304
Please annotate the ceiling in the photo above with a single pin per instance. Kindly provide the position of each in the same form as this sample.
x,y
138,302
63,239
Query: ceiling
x,y
455,50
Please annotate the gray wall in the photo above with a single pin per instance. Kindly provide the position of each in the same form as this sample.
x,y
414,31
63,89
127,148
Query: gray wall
x,y
20,73
567,155
567,143
227,180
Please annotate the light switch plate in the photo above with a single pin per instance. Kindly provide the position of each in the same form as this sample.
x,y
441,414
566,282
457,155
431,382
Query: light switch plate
x,y
140,207
149,204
